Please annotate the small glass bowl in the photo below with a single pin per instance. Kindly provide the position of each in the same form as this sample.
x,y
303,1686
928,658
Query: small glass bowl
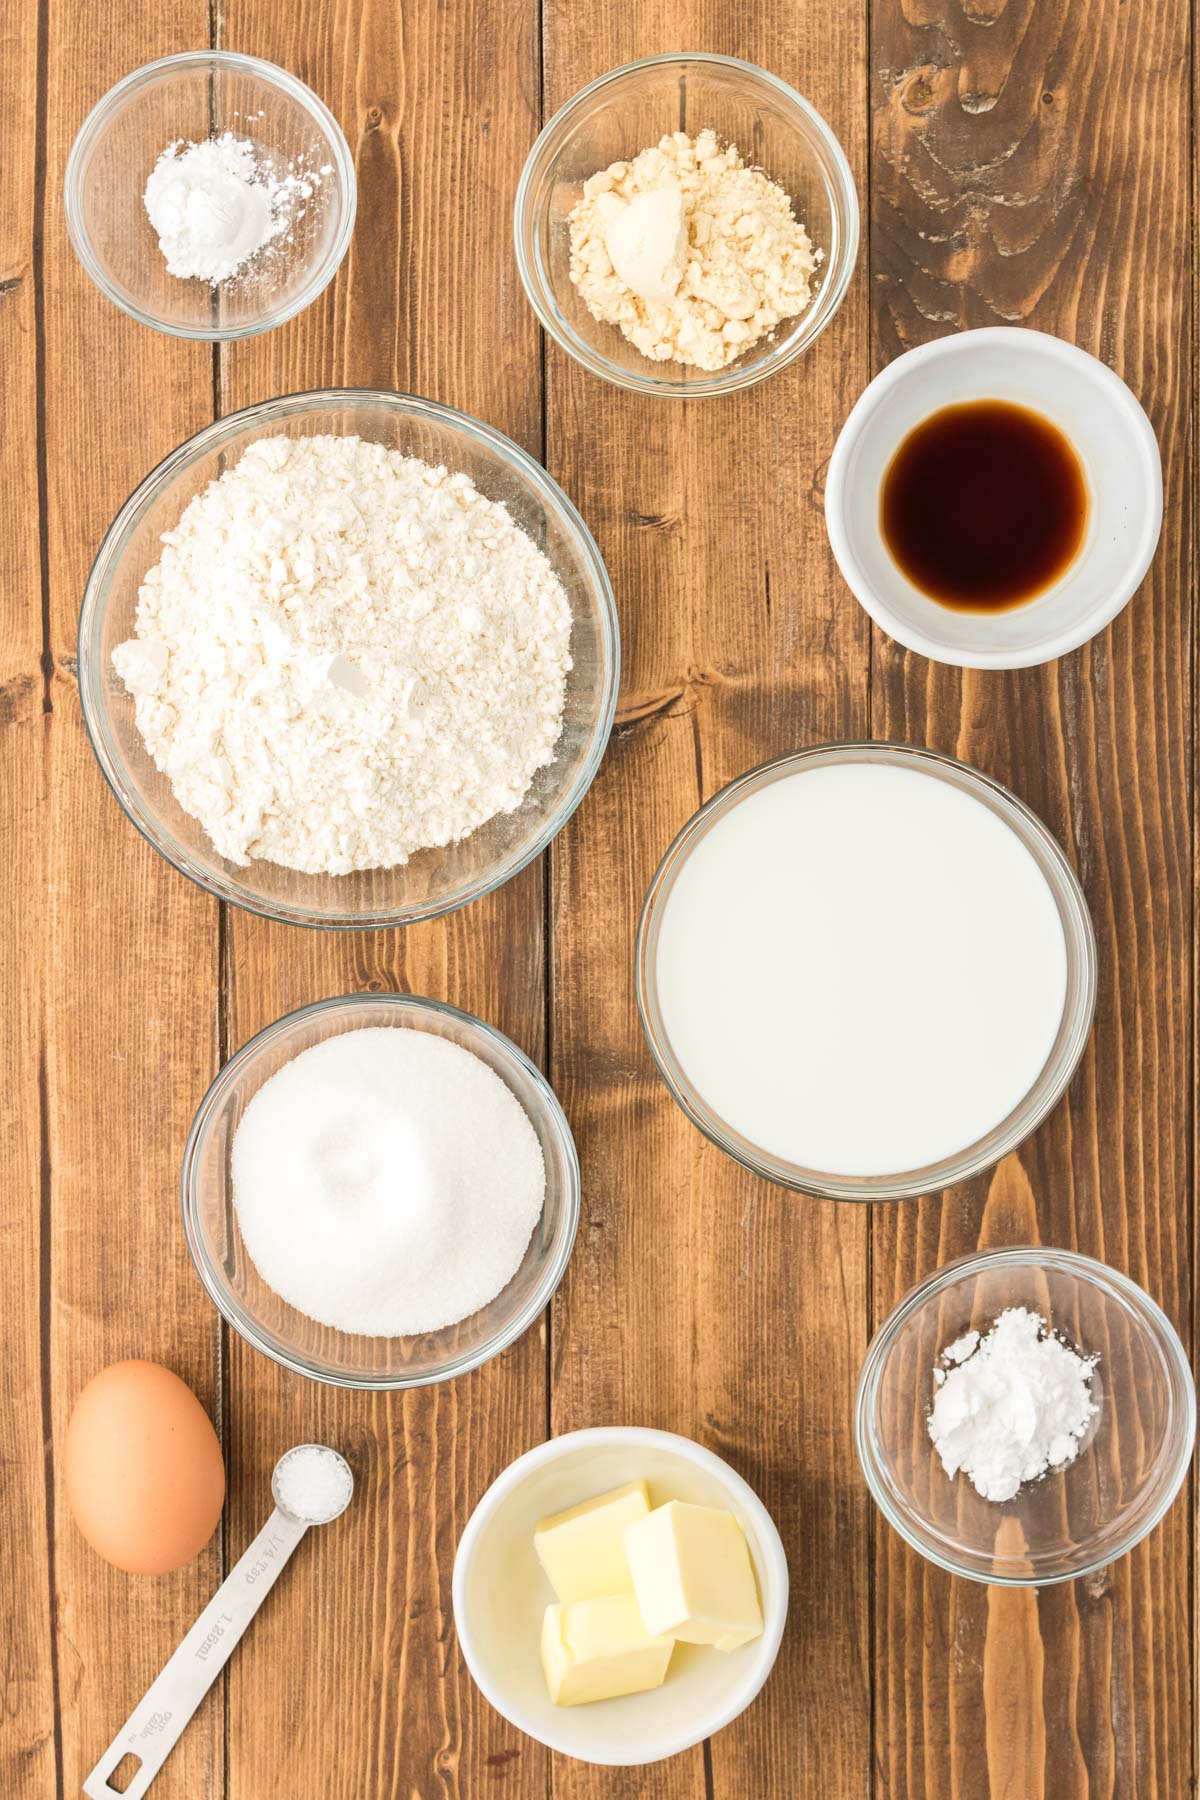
x,y
266,1321
195,96
1078,1006
627,111
432,881
1076,1519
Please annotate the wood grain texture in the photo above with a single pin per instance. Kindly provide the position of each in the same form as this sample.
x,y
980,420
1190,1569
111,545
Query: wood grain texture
x,y
1027,161
439,122
1030,166
123,952
682,1305
28,1740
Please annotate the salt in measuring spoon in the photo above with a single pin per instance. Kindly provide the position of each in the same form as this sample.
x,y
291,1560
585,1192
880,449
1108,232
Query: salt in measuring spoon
x,y
308,1475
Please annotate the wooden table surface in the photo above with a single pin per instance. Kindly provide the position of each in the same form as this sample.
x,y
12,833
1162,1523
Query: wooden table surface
x,y
1018,161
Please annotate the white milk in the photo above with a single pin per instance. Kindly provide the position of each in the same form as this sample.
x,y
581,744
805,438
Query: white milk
x,y
861,969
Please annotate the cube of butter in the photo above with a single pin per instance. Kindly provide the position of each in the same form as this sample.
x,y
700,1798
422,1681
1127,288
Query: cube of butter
x,y
583,1551
692,1575
600,1649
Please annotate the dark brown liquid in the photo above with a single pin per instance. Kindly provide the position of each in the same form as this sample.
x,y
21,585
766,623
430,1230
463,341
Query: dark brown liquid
x,y
984,505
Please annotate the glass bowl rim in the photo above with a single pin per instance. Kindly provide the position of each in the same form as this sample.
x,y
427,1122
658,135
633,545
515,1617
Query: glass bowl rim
x,y
782,355
272,75
972,1160
1092,1273
240,1321
286,406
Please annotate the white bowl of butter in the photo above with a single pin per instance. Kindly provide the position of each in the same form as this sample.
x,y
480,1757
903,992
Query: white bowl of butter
x,y
502,1593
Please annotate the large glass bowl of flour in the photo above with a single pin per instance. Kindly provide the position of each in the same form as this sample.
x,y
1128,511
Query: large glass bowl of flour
x,y
288,1335
433,881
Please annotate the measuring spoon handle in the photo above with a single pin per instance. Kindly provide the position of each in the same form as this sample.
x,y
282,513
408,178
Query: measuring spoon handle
x,y
156,1724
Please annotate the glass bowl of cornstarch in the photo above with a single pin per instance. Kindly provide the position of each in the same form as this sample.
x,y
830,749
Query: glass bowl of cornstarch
x,y
376,1162
1025,1416
348,658
210,195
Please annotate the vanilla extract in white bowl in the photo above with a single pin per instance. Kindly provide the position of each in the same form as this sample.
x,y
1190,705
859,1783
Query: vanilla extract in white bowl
x,y
994,498
866,971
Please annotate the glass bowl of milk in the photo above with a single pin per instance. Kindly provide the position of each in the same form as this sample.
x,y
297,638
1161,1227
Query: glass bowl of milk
x,y
866,971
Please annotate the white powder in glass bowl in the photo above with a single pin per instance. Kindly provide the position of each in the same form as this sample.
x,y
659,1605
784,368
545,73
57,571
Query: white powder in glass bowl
x,y
1011,1405
345,655
386,1182
214,205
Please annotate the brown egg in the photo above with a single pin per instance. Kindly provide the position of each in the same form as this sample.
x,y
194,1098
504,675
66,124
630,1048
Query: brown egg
x,y
145,1477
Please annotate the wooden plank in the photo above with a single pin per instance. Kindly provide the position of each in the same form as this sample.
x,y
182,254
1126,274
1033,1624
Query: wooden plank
x,y
682,1306
124,949
28,1760
374,1700
1030,166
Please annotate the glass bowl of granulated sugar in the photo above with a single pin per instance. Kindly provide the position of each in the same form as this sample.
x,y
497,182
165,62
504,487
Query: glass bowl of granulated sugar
x,y
348,658
210,195
1025,1416
380,1191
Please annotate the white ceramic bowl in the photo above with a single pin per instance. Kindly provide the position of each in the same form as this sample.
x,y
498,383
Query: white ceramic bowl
x,y
1111,436
500,1595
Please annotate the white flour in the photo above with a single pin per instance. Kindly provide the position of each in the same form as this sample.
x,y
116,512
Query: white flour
x,y
1012,1404
345,656
214,205
386,1182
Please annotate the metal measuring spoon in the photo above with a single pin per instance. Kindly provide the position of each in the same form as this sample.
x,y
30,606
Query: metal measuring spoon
x,y
157,1723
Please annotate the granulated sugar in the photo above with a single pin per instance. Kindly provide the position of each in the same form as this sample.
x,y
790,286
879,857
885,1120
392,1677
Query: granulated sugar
x,y
386,1182
1010,1405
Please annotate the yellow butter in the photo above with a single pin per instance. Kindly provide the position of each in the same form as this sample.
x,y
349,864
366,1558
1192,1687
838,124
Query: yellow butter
x,y
582,1550
599,1650
693,1577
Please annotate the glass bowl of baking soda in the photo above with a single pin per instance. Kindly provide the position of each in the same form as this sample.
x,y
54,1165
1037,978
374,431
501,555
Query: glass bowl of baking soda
x,y
210,195
380,1191
1025,1416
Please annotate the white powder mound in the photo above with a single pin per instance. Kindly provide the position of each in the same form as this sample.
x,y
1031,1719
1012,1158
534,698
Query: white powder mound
x,y
345,656
1011,1405
215,204
312,1482
713,265
386,1182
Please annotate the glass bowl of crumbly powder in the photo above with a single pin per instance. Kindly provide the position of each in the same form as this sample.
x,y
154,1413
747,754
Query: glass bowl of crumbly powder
x,y
686,225
380,1191
210,195
348,658
1025,1416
